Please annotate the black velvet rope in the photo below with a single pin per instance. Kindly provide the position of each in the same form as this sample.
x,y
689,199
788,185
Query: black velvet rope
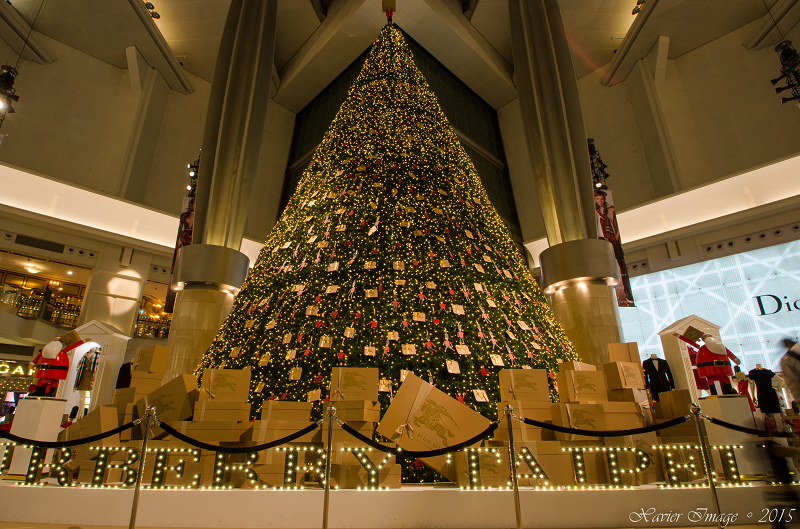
x,y
744,429
237,450
63,444
419,454
607,433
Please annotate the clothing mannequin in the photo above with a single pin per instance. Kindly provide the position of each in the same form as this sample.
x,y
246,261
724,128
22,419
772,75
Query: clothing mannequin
x,y
767,398
745,387
657,376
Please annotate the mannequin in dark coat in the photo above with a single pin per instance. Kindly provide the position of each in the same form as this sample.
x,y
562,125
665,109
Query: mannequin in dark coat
x,y
657,376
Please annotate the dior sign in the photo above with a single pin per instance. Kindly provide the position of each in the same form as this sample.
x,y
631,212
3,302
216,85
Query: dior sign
x,y
769,304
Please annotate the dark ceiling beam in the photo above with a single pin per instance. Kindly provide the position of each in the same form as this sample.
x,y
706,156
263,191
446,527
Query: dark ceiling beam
x,y
16,31
161,43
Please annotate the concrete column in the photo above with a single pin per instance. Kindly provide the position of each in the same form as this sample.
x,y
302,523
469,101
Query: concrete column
x,y
578,278
581,298
115,287
209,272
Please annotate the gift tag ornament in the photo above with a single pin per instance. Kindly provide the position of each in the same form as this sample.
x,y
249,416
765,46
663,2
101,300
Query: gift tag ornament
x,y
295,373
404,373
480,395
453,367
271,324
291,353
333,289
462,349
384,386
314,395
497,360
369,350
264,360
393,335
418,316
326,341
409,349
349,332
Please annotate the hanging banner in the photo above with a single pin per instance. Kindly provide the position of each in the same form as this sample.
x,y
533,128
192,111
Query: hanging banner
x,y
607,229
184,238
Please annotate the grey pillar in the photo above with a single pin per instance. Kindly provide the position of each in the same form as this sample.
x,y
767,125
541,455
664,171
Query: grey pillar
x,y
556,139
210,270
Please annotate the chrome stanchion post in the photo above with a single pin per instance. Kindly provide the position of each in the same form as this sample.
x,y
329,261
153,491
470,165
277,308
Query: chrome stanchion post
x,y
701,434
328,452
149,415
512,461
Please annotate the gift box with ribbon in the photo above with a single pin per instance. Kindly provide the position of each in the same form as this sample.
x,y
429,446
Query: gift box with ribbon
x,y
422,417
225,384
354,383
151,359
524,384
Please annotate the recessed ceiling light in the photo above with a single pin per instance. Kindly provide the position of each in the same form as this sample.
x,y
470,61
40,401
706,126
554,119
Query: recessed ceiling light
x,y
69,272
31,270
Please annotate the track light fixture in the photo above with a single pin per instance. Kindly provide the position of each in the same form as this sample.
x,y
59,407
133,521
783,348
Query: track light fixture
x,y
790,72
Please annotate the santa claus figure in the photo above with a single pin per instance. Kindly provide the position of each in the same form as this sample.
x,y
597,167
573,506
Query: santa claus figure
x,y
713,364
51,366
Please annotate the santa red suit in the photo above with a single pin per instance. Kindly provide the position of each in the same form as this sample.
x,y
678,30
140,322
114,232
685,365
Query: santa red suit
x,y
713,364
51,366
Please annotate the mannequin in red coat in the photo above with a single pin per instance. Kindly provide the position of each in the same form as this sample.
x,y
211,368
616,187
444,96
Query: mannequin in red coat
x,y
52,365
713,364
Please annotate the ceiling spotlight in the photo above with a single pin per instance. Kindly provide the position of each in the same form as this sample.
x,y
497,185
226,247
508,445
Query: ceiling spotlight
x,y
7,77
154,14
69,272
149,5
636,10
599,173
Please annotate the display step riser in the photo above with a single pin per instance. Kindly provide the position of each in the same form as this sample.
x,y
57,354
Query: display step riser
x,y
410,506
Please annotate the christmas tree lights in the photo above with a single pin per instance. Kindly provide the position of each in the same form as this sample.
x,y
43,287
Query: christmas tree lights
x,y
389,255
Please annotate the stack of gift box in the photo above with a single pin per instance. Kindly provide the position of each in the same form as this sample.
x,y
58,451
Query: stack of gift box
x,y
221,413
147,372
354,394
278,420
629,408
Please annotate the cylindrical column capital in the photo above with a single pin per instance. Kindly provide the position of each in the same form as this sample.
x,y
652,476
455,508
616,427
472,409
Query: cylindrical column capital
x,y
577,277
579,260
209,266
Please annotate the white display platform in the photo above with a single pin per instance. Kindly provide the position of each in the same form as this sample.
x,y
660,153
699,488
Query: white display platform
x,y
410,506
35,418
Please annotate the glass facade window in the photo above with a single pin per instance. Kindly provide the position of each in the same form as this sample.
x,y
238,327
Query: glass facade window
x,y
753,296
473,118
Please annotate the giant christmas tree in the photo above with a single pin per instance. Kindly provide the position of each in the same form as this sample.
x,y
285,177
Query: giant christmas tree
x,y
389,255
